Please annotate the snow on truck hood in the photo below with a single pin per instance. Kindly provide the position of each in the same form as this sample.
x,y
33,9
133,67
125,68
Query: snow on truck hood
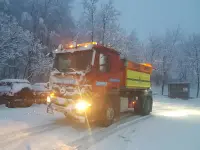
x,y
61,82
66,80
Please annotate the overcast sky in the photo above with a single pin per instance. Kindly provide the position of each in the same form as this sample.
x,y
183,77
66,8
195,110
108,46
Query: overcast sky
x,y
155,16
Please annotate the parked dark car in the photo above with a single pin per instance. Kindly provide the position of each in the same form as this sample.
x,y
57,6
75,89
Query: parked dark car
x,y
41,92
16,92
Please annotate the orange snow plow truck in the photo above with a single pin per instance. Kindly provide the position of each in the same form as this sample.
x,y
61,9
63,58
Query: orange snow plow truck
x,y
90,82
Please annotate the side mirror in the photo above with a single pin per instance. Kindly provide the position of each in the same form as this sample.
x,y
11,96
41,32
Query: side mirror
x,y
50,54
47,85
124,60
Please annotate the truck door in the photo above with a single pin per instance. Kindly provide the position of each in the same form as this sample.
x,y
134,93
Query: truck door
x,y
108,70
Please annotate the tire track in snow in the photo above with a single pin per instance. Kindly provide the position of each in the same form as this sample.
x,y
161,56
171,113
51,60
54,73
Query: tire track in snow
x,y
7,139
89,140
4,135
12,137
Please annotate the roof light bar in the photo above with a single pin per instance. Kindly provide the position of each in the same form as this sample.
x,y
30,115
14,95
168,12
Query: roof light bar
x,y
81,45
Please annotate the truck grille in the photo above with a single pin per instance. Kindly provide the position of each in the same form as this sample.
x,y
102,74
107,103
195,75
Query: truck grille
x,y
60,101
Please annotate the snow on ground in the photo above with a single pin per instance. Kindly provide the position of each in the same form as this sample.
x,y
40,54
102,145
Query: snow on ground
x,y
174,124
32,127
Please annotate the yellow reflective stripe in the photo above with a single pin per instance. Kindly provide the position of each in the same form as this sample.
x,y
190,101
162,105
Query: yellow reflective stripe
x,y
139,84
137,79
138,75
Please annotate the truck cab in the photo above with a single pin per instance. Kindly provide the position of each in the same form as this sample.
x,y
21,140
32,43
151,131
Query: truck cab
x,y
89,81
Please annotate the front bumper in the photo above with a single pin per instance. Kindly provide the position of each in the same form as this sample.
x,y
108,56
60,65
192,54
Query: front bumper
x,y
69,111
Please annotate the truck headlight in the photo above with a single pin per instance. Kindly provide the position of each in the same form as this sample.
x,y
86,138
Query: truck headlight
x,y
48,99
82,105
52,95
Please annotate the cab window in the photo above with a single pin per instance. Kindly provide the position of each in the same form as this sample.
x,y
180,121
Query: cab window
x,y
104,64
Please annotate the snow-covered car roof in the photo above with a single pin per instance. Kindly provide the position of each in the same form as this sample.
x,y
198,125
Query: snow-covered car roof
x,y
15,80
17,85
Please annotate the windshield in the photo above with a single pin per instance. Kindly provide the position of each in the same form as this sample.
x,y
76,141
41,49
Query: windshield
x,y
5,84
77,60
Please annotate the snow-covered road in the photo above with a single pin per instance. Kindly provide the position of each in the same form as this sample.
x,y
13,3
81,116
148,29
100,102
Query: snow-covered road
x,y
174,125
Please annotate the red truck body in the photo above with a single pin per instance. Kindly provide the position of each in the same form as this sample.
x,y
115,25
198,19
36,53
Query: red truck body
x,y
108,81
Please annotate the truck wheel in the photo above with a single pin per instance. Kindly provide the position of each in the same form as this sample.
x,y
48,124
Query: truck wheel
x,y
39,101
108,116
143,106
147,106
28,104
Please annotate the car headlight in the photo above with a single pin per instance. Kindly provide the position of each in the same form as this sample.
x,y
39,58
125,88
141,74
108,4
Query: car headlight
x,y
82,105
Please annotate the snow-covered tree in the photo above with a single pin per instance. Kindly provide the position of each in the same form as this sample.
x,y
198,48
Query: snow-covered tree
x,y
90,12
152,55
192,50
161,53
43,17
167,55
34,58
135,50
10,33
21,55
107,18
153,49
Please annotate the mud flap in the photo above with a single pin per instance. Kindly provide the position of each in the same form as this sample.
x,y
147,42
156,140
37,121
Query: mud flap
x,y
50,109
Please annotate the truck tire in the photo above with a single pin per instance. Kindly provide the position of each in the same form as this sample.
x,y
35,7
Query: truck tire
x,y
108,115
147,106
28,103
143,105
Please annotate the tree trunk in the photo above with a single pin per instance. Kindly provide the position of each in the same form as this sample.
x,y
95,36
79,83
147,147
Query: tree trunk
x,y
164,74
198,85
163,86
104,30
92,36
25,70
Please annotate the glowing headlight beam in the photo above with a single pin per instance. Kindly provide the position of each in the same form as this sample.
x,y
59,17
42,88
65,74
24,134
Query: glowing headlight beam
x,y
52,95
82,105
48,99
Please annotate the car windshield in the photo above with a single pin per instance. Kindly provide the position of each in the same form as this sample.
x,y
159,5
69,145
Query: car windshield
x,y
77,60
39,88
5,83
